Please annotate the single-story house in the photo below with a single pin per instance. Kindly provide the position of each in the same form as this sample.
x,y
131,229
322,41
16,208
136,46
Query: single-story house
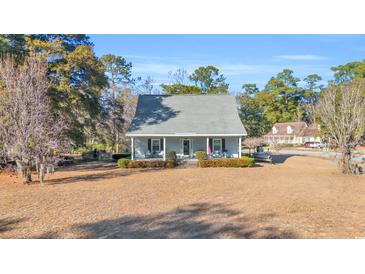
x,y
186,124
292,133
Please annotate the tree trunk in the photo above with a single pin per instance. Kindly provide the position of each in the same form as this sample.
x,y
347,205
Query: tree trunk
x,y
28,174
24,172
117,142
346,162
41,173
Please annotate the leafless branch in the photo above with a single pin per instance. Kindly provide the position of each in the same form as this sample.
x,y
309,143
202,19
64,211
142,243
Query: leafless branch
x,y
30,131
342,112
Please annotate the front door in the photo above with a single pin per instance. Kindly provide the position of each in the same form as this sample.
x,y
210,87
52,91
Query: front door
x,y
186,147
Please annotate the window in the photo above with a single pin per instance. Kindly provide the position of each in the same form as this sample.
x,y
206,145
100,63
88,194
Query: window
x,y
274,130
156,146
289,130
217,145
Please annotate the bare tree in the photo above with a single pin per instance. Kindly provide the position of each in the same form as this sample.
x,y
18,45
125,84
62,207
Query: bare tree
x,y
111,121
29,130
129,101
180,76
341,110
146,86
118,116
252,142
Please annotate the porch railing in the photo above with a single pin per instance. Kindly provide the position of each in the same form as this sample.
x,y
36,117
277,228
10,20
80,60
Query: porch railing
x,y
215,154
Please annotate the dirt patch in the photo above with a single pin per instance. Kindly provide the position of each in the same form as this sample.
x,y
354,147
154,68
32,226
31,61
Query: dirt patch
x,y
301,197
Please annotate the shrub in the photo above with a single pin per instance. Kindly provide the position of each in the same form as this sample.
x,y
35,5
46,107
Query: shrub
x,y
170,164
248,160
123,163
171,155
227,162
151,164
201,155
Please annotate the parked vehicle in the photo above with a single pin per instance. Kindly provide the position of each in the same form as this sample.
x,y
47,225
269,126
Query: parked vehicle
x,y
312,145
261,156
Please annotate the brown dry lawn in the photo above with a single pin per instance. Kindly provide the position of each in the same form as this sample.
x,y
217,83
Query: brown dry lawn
x,y
301,197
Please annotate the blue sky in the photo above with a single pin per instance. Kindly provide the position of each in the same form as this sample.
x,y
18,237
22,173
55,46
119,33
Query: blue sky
x,y
241,58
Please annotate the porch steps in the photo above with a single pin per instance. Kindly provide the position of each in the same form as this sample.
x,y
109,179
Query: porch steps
x,y
187,163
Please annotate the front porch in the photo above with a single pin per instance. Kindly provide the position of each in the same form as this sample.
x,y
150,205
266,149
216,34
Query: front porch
x,y
156,147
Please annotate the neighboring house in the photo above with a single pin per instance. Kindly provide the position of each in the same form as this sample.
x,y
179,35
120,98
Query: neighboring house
x,y
292,133
186,124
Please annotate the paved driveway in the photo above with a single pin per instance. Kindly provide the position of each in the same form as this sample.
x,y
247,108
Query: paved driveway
x,y
359,158
325,154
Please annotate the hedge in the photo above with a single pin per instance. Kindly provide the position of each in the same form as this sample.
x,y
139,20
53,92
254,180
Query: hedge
x,y
201,155
151,164
227,162
171,155
123,163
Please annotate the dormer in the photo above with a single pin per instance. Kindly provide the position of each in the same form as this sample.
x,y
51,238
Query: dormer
x,y
274,130
289,130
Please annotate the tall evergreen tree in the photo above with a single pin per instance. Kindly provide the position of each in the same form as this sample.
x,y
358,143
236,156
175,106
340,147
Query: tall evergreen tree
x,y
76,77
348,72
209,80
119,73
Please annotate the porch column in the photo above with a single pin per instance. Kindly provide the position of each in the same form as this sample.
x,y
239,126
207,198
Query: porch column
x,y
239,147
164,148
207,145
132,148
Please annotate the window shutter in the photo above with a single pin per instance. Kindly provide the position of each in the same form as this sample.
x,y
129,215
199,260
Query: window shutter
x,y
223,145
211,144
161,144
149,145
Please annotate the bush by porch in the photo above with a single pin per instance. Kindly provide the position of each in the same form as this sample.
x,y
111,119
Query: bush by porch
x,y
126,163
227,162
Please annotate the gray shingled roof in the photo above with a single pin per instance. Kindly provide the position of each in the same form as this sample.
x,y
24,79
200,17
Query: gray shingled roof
x,y
186,114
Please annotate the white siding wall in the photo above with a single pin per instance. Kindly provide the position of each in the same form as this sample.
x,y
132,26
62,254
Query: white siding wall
x,y
140,147
232,145
174,144
200,144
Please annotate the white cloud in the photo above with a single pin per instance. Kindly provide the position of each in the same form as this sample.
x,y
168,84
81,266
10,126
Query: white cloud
x,y
301,57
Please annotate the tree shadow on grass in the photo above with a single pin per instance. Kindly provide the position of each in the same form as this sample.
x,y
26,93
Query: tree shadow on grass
x,y
9,224
92,178
89,166
195,221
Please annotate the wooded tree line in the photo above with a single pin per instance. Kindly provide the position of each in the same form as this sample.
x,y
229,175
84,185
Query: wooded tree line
x,y
287,98
90,101
282,99
97,96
